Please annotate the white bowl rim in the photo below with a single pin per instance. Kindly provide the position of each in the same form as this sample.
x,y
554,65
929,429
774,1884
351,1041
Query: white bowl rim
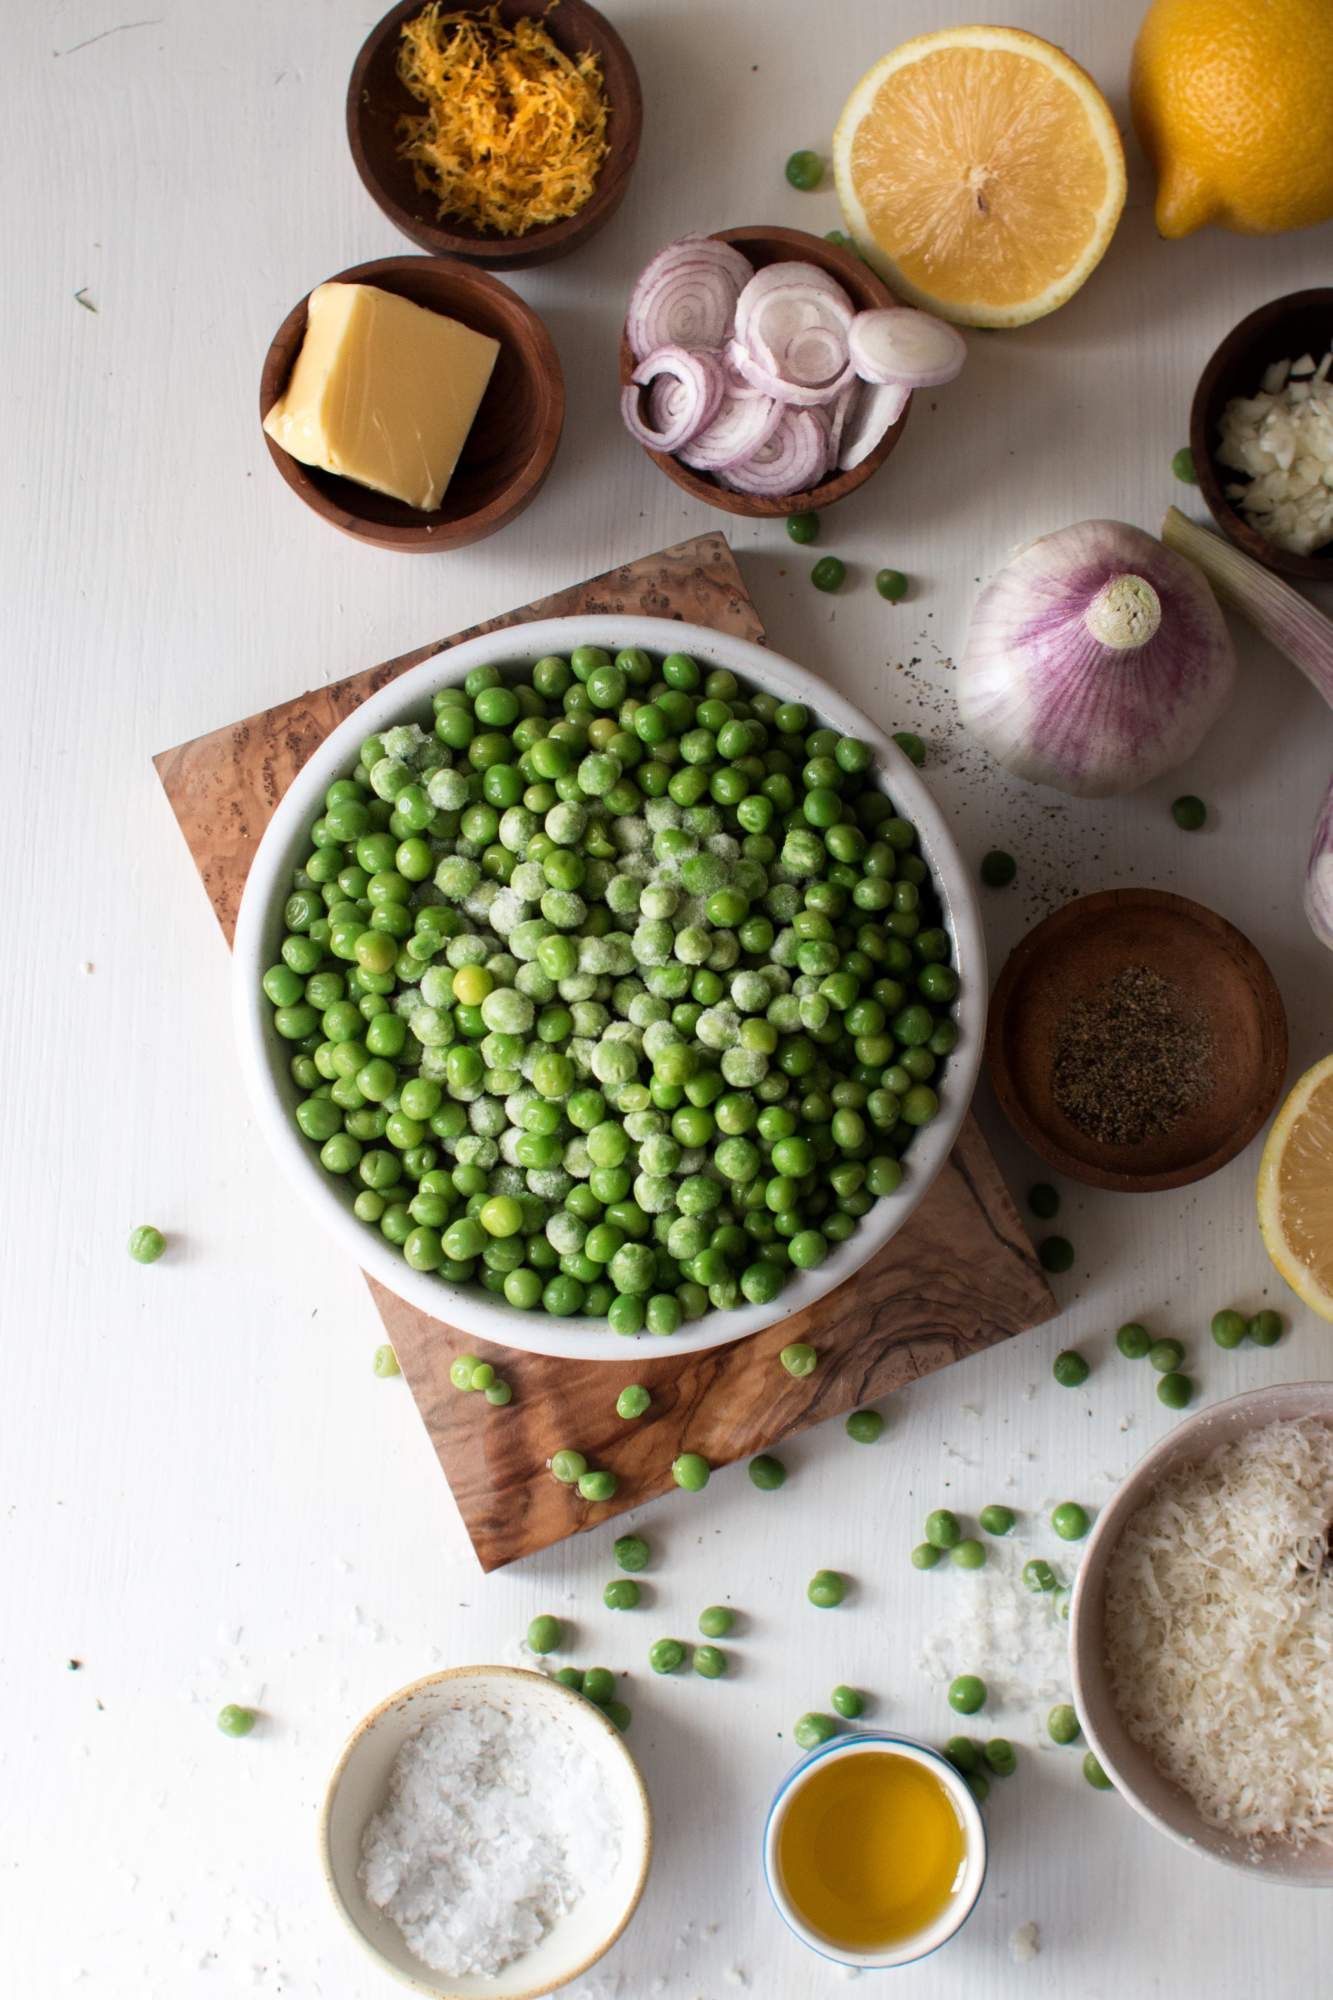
x,y
1107,1529
480,1674
471,1311
912,1950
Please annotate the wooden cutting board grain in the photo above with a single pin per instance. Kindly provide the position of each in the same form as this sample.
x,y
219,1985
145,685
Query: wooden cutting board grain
x,y
960,1275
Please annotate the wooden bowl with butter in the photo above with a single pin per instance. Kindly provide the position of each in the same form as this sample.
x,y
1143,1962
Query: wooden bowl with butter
x,y
508,448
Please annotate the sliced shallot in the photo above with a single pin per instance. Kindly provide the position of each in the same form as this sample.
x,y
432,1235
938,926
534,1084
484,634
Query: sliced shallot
x,y
838,415
900,344
791,461
686,296
876,410
790,278
743,423
700,375
774,384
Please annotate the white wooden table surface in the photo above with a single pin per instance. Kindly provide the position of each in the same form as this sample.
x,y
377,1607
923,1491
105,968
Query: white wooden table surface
x,y
205,1495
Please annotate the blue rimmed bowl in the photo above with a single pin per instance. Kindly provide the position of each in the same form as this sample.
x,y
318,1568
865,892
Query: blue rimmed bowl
x,y
960,1904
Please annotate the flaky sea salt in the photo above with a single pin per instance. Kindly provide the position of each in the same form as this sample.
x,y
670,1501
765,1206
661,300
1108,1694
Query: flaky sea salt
x,y
495,1826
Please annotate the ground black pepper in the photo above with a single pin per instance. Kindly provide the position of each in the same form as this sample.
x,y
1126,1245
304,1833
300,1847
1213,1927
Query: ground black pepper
x,y
1131,1059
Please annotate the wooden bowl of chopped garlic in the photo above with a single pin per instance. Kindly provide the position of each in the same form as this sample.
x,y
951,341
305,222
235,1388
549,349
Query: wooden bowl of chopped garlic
x,y
1261,434
505,134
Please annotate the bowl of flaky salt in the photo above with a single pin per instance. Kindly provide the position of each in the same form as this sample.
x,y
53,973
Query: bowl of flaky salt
x,y
486,1834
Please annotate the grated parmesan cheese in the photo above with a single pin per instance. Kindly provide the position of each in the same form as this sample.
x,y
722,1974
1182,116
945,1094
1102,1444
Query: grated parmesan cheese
x,y
1283,439
1219,1619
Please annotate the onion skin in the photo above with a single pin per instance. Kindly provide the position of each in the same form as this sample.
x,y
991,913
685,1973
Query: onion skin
x,y
1319,874
1057,704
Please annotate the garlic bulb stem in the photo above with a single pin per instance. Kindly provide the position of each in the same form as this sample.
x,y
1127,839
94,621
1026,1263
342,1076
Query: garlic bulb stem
x,y
1124,614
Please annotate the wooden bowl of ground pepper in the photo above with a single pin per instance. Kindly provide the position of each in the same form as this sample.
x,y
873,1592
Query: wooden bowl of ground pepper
x,y
1137,1040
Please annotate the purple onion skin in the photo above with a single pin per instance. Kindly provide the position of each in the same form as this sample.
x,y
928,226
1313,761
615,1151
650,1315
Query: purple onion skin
x,y
1059,707
1319,874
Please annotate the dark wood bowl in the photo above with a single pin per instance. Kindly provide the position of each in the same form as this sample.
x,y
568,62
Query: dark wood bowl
x,y
763,245
1300,323
377,99
1075,951
510,448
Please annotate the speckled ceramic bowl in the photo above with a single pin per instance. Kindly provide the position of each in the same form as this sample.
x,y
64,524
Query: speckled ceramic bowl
x,y
360,1784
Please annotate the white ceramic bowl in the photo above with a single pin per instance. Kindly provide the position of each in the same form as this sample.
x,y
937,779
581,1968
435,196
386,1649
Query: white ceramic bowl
x,y
956,1913
1126,1762
360,1784
264,1056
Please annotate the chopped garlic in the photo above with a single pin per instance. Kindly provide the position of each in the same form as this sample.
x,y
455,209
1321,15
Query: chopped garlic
x,y
1283,439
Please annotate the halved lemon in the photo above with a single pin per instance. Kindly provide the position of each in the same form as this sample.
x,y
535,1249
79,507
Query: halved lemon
x,y
1296,1189
981,173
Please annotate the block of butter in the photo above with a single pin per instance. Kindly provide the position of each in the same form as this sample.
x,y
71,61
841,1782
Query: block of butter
x,y
382,392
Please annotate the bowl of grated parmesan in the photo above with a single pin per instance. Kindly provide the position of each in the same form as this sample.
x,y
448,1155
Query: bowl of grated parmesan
x,y
1201,1634
486,1834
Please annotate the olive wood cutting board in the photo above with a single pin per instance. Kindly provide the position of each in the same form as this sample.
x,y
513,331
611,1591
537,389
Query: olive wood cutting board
x,y
959,1276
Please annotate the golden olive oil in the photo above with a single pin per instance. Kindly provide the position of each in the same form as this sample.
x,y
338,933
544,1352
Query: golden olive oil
x,y
871,1849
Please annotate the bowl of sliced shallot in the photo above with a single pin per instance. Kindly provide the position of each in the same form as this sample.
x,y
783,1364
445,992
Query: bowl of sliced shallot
x,y
767,371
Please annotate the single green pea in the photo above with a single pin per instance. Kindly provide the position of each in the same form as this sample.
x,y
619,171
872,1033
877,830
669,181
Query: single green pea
x,y
925,1555
996,1519
963,1753
864,1426
632,1552
804,170
621,1594
1228,1327
1175,1390
632,1401
1182,466
1062,1725
967,1693
998,870
911,746
847,1702
829,573
767,1473
599,1685
665,1655
1070,1521
803,528
690,1471
891,585
569,1677
1265,1328
1133,1340
146,1243
716,1620
566,1466
710,1661
498,1394
1043,1200
233,1720
386,1362
1094,1773
942,1528
618,1712
800,1359
826,1588
1165,1356
979,1785
1038,1575
1188,812
460,1374
1070,1369
1055,1253
968,1554
545,1634
598,1485
1000,1754
812,1729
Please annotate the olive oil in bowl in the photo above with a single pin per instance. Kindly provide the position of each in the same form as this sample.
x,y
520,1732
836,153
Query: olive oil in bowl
x,y
876,1851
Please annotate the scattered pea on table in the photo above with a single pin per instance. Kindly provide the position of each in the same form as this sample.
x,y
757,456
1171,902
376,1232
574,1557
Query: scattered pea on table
x,y
1043,1200
1070,1521
621,1594
632,1552
1094,1773
569,1677
633,1401
665,1655
813,1729
891,585
804,170
803,528
864,1426
1188,812
498,1394
710,1661
146,1243
799,1359
598,1485
997,871
847,1702
967,1693
716,1620
1175,1390
767,1472
566,1466
386,1362
1265,1328
911,746
925,1555
943,1529
996,1519
1070,1369
963,1753
1228,1327
545,1634
1133,1340
1001,1756
1165,1355
826,1589
233,1720
829,573
1055,1253
979,1785
1062,1724
1038,1575
969,1553
599,1685
1183,467
690,1471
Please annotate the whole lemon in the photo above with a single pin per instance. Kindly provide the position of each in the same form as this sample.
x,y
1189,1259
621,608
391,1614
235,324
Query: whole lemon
x,y
1233,104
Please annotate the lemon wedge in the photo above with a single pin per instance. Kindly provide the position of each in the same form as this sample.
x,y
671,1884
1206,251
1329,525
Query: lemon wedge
x,y
1296,1189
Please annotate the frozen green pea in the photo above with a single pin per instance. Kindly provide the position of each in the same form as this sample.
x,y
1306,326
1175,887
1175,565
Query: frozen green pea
x,y
812,1729
925,1555
621,1594
1228,1327
1001,1756
632,1552
386,1362
710,1661
1094,1773
146,1243
864,1426
632,1401
545,1634
565,1465
996,1519
826,1588
1070,1369
665,1655
598,1485
767,1472
968,1554
1133,1340
1038,1575
943,1529
967,1693
963,1753
1070,1521
1062,1724
690,1471
799,1359
599,1685
847,1702
716,1620
233,1720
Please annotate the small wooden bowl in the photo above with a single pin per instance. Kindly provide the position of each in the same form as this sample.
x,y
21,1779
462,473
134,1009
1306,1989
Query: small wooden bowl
x,y
377,98
774,246
510,448
1077,950
1300,323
